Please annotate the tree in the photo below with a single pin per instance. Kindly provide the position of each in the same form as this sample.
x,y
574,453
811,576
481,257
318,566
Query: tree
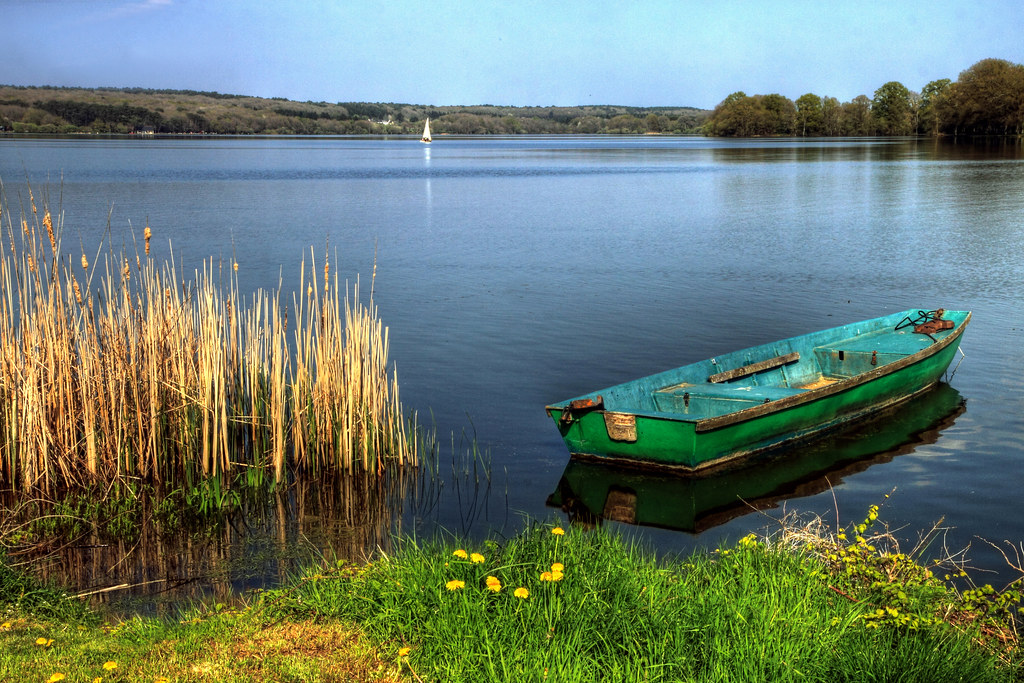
x,y
831,116
892,109
932,102
809,115
857,118
990,97
780,116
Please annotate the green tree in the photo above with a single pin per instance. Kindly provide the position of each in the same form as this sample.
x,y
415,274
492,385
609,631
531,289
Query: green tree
x,y
933,96
892,109
857,119
831,116
780,115
810,117
990,98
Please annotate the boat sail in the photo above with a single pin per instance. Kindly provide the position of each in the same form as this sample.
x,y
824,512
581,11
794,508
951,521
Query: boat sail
x,y
426,132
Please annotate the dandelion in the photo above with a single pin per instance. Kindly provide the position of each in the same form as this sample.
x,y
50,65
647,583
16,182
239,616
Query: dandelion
x,y
455,585
558,531
404,651
162,679
6,626
56,677
546,576
521,593
493,583
44,642
557,567
461,554
109,666
476,558
98,679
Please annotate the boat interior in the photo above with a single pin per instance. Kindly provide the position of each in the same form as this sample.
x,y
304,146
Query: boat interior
x,y
771,372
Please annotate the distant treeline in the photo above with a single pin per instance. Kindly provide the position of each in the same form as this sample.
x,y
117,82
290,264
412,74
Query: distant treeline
x,y
987,99
140,111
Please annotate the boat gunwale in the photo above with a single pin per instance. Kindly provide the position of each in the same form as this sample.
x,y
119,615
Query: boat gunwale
x,y
703,425
713,423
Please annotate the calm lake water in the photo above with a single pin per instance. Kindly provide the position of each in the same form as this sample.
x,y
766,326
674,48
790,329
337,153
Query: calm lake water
x,y
514,272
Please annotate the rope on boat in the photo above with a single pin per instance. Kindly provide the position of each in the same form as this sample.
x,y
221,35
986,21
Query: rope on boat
x,y
922,318
927,322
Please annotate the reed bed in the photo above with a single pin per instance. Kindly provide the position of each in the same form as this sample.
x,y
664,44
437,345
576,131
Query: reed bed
x,y
113,368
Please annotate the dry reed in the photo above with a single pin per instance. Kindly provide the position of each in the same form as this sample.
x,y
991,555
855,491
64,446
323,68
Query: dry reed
x,y
127,374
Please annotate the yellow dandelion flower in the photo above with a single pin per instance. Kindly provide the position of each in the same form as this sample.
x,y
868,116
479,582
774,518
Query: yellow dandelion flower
x,y
556,576
56,677
455,585
476,558
6,626
98,679
521,593
493,583
44,642
461,554
558,531
404,651
162,679
557,567
109,666
546,576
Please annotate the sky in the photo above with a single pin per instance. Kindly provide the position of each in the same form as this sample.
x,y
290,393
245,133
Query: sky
x,y
514,52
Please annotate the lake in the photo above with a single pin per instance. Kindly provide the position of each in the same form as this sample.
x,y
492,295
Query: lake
x,y
514,272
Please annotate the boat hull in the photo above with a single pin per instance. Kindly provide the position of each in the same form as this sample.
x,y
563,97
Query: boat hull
x,y
700,442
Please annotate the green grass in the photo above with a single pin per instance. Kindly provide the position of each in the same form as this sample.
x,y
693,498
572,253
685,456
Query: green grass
x,y
749,613
761,610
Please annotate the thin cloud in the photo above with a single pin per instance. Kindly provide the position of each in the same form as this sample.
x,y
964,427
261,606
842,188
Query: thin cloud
x,y
133,8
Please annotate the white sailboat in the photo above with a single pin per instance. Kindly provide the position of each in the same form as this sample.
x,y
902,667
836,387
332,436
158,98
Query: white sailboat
x,y
426,132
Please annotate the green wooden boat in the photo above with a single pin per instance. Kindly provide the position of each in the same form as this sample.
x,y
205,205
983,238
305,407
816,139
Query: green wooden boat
x,y
591,493
701,416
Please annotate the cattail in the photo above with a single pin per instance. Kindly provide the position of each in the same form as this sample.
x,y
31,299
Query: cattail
x,y
78,292
309,291
85,263
147,234
126,271
327,269
31,264
24,228
235,266
48,222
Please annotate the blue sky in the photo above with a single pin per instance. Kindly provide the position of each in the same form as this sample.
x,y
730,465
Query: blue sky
x,y
548,52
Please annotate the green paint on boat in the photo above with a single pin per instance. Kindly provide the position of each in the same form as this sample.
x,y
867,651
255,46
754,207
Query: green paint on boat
x,y
706,414
592,492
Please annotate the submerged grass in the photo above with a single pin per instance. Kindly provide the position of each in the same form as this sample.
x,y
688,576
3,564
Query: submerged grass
x,y
549,604
112,367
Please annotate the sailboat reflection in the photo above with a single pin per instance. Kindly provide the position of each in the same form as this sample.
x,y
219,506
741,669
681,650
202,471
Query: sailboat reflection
x,y
591,492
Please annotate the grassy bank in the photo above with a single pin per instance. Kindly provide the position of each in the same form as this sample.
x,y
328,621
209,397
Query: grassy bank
x,y
564,605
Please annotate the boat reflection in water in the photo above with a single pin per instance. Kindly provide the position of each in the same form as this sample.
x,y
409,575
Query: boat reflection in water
x,y
591,492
